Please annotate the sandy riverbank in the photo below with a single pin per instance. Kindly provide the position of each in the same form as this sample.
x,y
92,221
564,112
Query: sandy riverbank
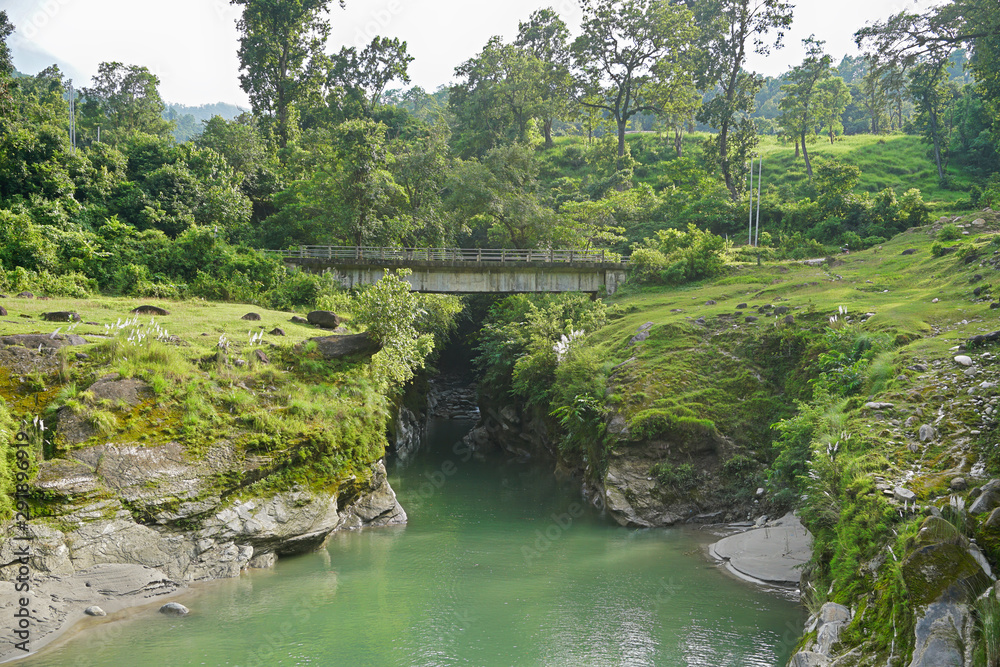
x,y
773,553
57,603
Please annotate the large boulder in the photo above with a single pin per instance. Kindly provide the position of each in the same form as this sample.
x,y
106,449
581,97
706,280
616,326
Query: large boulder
x,y
988,499
335,347
61,316
324,319
50,341
76,427
148,309
942,577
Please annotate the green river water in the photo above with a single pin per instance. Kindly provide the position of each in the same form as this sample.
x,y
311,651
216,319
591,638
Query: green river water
x,y
499,565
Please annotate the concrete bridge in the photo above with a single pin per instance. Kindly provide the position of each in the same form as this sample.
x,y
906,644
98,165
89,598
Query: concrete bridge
x,y
465,270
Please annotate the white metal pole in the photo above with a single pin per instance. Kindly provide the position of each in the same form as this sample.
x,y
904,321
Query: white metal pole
x,y
750,230
760,171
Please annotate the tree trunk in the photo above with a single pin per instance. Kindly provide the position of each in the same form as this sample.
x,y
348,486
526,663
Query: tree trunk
x,y
621,142
936,135
547,129
796,148
805,156
679,141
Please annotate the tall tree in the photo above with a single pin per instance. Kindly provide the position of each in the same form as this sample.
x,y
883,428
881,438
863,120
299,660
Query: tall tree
x,y
281,56
366,74
501,92
833,99
630,54
923,44
802,104
929,88
547,36
730,29
124,100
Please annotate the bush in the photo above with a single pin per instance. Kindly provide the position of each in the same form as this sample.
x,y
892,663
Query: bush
x,y
949,232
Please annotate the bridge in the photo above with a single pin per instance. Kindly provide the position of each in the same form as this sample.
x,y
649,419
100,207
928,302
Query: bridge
x,y
467,270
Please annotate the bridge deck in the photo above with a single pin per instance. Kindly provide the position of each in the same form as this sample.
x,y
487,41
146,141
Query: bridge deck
x,y
368,255
465,270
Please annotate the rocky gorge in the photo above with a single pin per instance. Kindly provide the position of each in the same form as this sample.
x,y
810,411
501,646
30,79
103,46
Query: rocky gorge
x,y
125,509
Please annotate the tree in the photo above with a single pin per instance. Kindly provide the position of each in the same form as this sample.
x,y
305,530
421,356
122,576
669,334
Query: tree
x,y
6,65
366,74
726,28
924,43
281,56
547,37
833,97
498,199
631,56
802,104
502,92
124,100
6,30
929,88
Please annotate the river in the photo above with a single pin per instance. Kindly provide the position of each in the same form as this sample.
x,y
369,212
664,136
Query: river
x,y
500,564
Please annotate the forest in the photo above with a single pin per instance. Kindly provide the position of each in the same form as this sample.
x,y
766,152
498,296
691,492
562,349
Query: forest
x,y
634,136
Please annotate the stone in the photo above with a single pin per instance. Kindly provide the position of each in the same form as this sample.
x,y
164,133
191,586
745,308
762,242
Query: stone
x,y
963,360
638,338
908,251
251,317
993,520
61,316
904,495
3,312
174,609
789,319
261,356
741,306
774,553
324,319
94,610
875,405
335,347
33,341
750,319
958,484
25,295
149,309
296,319
935,300
926,433
710,302
809,659
988,498
781,310
938,636
277,331
263,561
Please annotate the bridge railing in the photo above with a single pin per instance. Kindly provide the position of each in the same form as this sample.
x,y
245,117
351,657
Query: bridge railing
x,y
497,255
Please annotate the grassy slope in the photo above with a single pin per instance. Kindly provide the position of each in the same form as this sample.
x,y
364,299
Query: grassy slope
x,y
892,161
699,367
313,421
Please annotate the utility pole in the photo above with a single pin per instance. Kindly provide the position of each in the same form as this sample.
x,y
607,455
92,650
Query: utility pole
x,y
760,171
72,118
750,230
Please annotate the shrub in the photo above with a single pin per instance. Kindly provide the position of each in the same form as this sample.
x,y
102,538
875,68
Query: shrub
x,y
948,232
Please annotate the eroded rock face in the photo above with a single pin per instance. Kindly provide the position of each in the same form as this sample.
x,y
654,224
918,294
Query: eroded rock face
x,y
335,347
159,508
633,496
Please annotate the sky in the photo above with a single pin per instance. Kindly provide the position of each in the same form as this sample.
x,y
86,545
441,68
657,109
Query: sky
x,y
191,44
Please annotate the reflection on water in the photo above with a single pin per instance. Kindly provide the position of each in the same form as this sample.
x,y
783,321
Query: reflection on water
x,y
499,565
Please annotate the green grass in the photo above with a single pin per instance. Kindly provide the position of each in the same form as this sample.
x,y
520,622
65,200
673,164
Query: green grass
x,y
899,162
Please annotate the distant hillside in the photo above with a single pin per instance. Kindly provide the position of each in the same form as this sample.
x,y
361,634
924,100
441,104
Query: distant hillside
x,y
189,118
